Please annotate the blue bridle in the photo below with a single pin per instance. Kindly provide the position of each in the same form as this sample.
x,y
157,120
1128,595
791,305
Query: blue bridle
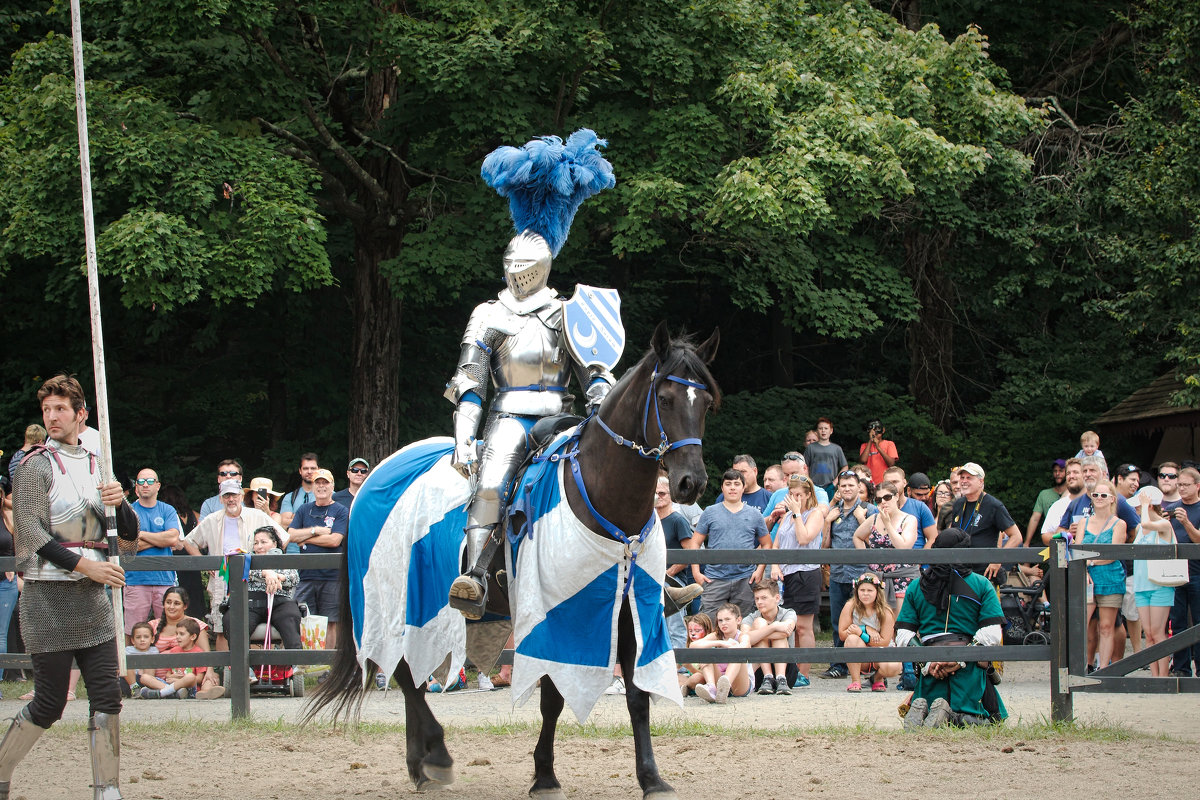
x,y
664,444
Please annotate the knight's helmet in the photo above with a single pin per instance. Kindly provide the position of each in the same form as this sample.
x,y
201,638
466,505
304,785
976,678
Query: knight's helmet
x,y
526,264
545,182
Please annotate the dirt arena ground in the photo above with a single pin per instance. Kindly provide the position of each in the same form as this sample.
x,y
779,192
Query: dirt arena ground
x,y
817,742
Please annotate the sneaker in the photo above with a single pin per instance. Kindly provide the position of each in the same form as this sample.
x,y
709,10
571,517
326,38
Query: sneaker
x,y
722,689
915,718
939,714
907,682
485,683
801,681
381,681
617,687
146,693
781,686
707,692
835,671
768,685
433,686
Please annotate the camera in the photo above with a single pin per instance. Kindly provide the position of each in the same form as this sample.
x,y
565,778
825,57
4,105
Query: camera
x,y
875,426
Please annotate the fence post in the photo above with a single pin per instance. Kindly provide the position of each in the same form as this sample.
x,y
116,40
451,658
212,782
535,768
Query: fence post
x,y
239,639
1061,705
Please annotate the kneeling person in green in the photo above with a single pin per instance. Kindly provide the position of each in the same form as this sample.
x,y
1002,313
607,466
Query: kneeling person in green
x,y
951,605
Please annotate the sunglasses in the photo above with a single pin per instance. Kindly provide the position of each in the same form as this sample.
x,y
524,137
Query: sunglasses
x,y
228,473
359,470
1101,495
793,457
799,479
146,481
1170,476
883,498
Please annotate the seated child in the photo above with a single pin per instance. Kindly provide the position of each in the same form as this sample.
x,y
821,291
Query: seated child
x,y
142,637
770,626
735,679
698,627
1089,445
181,681
868,621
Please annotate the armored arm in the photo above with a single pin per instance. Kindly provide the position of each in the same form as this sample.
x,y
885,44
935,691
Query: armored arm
x,y
597,382
467,387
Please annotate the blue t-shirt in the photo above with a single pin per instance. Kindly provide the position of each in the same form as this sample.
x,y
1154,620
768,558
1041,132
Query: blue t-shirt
x,y
211,505
759,498
156,519
344,497
1193,514
726,530
924,518
334,516
293,500
1125,513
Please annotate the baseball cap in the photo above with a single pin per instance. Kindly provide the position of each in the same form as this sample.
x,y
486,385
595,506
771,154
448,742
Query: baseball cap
x,y
972,468
918,480
323,474
1127,469
230,487
362,461
1059,462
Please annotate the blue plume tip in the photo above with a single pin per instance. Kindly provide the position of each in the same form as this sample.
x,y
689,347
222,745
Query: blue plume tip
x,y
546,181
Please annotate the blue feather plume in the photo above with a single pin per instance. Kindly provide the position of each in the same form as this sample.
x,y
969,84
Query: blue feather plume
x,y
546,181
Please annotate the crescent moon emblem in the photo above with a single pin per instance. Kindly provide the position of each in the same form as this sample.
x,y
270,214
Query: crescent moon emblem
x,y
584,342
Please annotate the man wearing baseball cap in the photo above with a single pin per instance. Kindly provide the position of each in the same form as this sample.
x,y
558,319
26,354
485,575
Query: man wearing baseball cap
x,y
356,473
320,527
982,517
1047,497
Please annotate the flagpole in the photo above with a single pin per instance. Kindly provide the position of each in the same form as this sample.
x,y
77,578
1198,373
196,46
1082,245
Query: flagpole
x,y
89,238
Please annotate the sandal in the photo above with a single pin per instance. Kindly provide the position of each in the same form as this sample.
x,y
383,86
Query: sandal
x,y
70,695
854,687
879,686
500,680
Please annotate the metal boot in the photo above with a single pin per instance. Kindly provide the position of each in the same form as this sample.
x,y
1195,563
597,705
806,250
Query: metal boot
x,y
468,592
17,742
104,736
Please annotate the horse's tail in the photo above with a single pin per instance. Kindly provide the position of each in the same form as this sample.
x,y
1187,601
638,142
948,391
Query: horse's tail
x,y
343,689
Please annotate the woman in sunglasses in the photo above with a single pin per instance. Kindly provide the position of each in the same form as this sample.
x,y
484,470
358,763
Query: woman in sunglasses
x,y
891,528
1106,578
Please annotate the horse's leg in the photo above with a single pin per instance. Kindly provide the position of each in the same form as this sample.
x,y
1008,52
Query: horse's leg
x,y
638,702
428,760
545,784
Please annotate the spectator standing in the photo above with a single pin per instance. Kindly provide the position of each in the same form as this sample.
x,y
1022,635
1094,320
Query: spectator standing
x,y
943,501
1168,483
792,464
262,496
89,438
877,452
889,529
8,580
730,525
356,473
158,534
752,494
810,436
824,458
320,527
841,521
983,517
774,479
301,494
229,469
1154,602
1046,498
1074,488
916,506
1185,520
1127,480
678,534
1107,577
801,527
34,435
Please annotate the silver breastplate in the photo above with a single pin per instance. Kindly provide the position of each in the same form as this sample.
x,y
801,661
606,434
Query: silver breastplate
x,y
76,513
530,355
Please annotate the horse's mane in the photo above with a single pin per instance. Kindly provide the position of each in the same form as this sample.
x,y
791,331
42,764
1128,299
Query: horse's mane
x,y
681,360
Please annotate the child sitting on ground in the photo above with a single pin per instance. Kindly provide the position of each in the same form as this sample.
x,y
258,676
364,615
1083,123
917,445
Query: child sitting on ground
x,y
735,679
770,626
181,681
868,621
142,638
698,627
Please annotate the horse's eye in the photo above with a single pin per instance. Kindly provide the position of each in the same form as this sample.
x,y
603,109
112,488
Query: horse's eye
x,y
664,401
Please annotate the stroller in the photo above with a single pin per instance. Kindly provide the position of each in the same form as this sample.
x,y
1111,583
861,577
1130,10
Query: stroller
x,y
1026,620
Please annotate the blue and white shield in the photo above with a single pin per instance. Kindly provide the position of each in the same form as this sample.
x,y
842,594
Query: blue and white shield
x,y
592,326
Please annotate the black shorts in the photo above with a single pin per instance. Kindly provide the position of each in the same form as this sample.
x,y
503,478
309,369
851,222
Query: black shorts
x,y
322,597
802,591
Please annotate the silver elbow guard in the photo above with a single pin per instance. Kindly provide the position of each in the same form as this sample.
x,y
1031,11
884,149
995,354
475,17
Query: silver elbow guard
x,y
600,384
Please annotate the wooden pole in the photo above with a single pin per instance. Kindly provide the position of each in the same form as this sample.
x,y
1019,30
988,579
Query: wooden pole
x,y
89,238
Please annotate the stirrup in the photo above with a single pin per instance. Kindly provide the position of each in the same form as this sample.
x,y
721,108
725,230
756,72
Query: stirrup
x,y
468,595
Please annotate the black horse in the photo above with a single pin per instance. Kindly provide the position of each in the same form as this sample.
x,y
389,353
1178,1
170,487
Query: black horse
x,y
654,414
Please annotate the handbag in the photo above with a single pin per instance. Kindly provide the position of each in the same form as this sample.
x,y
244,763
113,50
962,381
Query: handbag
x,y
1168,572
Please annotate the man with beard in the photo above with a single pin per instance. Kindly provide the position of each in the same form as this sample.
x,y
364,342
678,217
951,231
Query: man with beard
x,y
951,604
1073,485
1046,498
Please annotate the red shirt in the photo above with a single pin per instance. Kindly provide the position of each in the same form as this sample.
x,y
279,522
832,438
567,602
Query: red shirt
x,y
874,460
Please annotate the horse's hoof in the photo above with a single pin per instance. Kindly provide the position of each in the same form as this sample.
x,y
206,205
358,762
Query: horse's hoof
x,y
548,794
661,794
437,774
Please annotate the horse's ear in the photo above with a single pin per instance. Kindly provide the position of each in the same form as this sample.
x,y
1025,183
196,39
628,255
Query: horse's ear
x,y
661,342
708,351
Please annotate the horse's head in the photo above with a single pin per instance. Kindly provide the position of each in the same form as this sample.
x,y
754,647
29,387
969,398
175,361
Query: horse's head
x,y
684,391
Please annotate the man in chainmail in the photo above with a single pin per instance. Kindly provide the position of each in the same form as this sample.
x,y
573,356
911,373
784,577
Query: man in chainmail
x,y
65,612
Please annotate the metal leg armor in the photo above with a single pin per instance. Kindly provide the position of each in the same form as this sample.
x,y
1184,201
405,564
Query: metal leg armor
x,y
17,743
104,736
502,457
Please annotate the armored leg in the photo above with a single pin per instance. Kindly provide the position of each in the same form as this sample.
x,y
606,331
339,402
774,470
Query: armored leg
x,y
17,743
505,450
104,736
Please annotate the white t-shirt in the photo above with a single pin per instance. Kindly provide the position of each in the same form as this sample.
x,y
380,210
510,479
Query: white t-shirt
x,y
1055,513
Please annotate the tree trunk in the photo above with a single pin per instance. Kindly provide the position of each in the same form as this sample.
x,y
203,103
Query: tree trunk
x,y
930,338
782,358
374,414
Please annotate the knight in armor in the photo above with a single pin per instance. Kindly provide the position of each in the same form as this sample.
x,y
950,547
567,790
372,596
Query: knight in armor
x,y
58,513
517,343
